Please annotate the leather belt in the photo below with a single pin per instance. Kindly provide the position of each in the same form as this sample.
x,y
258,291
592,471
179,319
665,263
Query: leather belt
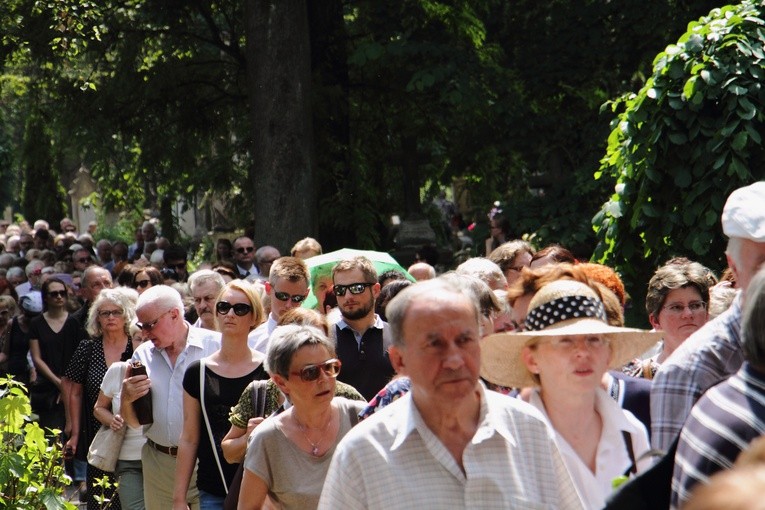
x,y
167,450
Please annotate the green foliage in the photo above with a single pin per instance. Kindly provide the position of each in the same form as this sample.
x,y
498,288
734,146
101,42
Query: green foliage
x,y
680,145
31,468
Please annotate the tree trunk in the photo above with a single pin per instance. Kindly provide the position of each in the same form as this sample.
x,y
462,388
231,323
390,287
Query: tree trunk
x,y
279,83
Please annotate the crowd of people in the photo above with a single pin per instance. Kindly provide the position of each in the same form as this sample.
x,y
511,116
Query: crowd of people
x,y
510,382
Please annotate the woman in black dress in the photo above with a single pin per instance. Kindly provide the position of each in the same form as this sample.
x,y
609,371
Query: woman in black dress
x,y
108,325
227,372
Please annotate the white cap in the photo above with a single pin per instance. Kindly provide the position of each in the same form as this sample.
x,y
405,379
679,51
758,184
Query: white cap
x,y
744,213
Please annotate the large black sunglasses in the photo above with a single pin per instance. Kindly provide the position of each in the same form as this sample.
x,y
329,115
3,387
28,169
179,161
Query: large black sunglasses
x,y
355,288
309,373
240,309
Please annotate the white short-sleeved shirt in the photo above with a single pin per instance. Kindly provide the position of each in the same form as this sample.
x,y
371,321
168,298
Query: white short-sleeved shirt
x,y
111,386
258,338
167,382
393,460
612,459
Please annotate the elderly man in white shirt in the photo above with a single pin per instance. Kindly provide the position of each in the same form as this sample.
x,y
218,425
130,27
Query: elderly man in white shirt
x,y
174,344
448,443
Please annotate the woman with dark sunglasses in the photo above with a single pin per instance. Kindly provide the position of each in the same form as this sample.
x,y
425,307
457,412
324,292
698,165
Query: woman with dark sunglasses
x,y
53,336
289,454
206,406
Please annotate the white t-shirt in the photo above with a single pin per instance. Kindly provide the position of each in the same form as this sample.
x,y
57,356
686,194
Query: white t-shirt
x,y
134,438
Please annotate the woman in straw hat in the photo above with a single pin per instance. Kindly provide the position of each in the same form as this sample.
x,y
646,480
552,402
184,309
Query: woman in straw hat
x,y
564,351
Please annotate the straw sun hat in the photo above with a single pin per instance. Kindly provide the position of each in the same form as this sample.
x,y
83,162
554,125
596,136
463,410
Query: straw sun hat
x,y
562,307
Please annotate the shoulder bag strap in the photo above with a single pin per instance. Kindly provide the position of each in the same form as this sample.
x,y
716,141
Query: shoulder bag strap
x,y
207,421
628,443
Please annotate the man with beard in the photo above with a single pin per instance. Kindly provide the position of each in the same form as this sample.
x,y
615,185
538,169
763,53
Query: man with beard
x,y
362,337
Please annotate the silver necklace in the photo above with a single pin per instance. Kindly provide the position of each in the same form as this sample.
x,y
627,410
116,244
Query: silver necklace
x,y
314,446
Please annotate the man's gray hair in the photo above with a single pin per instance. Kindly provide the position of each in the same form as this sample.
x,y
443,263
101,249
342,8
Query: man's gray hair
x,y
33,266
753,321
430,290
204,276
162,297
485,270
286,340
15,271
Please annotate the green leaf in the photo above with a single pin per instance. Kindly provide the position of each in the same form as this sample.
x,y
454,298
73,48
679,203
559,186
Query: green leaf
x,y
739,141
682,178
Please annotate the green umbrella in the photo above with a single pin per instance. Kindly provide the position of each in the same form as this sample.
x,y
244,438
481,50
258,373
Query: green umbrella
x,y
321,265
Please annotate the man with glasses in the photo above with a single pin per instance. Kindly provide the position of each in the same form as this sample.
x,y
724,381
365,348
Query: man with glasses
x,y
175,259
82,258
287,288
173,345
244,255
362,337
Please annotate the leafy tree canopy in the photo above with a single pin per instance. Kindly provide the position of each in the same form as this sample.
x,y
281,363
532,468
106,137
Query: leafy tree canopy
x,y
679,146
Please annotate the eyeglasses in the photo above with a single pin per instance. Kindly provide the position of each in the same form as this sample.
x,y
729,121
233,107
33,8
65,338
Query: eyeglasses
x,y
141,284
57,293
82,260
153,324
568,343
240,309
309,373
283,296
355,288
678,308
246,249
105,314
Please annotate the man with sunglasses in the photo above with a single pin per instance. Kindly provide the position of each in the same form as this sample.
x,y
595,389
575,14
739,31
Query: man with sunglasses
x,y
287,288
173,345
175,258
362,337
244,256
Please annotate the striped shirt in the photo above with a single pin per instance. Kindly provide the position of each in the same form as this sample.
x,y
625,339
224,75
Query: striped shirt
x,y
723,423
707,357
393,460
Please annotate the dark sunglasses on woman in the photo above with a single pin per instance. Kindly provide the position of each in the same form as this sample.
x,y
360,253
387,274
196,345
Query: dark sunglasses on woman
x,y
240,309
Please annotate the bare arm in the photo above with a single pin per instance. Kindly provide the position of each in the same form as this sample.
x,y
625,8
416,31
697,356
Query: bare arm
x,y
187,449
253,492
75,408
235,443
103,413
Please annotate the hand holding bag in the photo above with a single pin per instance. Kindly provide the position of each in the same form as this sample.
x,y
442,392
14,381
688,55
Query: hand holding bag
x,y
105,448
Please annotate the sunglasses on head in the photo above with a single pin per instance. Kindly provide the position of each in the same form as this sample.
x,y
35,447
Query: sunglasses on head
x,y
309,373
57,293
283,296
355,288
240,309
247,249
141,284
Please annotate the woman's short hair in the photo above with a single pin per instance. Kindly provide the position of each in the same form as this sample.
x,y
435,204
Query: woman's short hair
x,y
246,288
674,276
753,322
120,297
505,255
558,253
286,340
